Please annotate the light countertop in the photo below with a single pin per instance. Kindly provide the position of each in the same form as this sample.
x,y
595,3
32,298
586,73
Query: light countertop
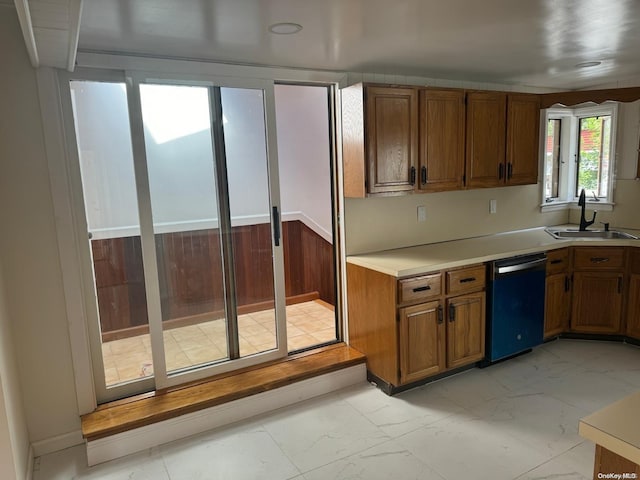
x,y
616,427
404,262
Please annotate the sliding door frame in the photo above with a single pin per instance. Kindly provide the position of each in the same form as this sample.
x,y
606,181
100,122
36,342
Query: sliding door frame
x,y
61,149
161,378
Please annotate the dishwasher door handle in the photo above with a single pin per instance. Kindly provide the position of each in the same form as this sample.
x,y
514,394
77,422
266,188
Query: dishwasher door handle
x,y
520,266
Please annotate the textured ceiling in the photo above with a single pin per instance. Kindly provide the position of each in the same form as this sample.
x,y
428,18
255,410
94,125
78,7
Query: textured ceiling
x,y
535,42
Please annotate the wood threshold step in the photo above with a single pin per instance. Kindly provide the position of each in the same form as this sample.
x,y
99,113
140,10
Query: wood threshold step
x,y
146,409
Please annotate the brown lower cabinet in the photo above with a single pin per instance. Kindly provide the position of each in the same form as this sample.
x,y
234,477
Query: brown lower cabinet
x,y
593,291
598,285
607,463
416,327
633,307
633,295
557,293
422,341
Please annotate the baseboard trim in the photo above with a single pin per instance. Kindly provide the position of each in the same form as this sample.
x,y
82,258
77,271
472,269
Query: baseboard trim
x,y
143,438
54,444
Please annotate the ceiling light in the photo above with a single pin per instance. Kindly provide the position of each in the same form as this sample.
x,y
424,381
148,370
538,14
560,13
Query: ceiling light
x,y
587,64
285,28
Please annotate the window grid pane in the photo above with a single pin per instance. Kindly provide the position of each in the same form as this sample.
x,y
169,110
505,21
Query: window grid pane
x,y
552,158
593,155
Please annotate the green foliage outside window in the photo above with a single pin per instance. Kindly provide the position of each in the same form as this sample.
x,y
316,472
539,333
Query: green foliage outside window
x,y
591,153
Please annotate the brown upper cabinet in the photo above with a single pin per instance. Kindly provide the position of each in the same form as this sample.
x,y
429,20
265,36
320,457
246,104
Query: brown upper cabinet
x,y
502,139
380,140
441,159
399,140
523,134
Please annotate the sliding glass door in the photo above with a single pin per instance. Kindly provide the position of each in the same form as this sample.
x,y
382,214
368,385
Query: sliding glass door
x,y
182,216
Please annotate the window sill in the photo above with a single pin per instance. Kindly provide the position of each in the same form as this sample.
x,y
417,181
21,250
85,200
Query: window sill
x,y
594,206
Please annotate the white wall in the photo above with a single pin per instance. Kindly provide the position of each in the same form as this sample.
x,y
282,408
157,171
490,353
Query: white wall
x,y
302,120
28,246
14,437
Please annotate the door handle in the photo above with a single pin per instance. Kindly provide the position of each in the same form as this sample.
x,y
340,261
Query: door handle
x,y
276,226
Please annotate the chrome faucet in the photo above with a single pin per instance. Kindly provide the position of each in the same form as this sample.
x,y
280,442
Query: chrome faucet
x,y
583,221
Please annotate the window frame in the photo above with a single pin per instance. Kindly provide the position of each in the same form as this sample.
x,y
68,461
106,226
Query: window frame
x,y
569,139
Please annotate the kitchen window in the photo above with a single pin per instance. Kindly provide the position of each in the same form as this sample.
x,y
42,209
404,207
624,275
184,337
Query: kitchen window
x,y
579,153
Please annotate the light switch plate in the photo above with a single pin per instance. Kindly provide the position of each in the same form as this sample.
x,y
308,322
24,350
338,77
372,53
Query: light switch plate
x,y
422,213
493,206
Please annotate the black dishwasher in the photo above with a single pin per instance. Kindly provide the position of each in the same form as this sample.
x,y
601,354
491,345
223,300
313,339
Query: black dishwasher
x,y
515,305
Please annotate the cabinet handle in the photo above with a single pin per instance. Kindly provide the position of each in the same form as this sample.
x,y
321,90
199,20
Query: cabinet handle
x,y
440,314
452,312
422,289
599,259
423,175
555,262
468,279
619,284
500,171
413,175
509,170
566,283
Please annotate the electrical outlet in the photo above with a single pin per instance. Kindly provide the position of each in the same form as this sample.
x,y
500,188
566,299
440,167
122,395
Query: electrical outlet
x,y
493,206
422,213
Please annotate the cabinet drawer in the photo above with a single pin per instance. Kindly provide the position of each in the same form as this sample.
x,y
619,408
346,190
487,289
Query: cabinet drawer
x,y
416,289
557,261
466,279
598,258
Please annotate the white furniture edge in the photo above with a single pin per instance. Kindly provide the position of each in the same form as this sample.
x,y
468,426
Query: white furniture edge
x,y
608,441
143,438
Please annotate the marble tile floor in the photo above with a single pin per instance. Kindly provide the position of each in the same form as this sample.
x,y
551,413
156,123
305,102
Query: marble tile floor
x,y
513,420
309,323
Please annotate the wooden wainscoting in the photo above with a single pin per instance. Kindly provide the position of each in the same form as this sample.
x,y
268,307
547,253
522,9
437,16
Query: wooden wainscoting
x,y
190,275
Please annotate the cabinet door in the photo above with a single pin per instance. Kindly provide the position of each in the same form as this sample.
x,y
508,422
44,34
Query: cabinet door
x,y
465,329
633,307
523,133
392,139
486,138
421,341
441,140
597,302
557,304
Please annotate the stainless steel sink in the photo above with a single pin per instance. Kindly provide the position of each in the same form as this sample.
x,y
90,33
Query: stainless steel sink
x,y
575,233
